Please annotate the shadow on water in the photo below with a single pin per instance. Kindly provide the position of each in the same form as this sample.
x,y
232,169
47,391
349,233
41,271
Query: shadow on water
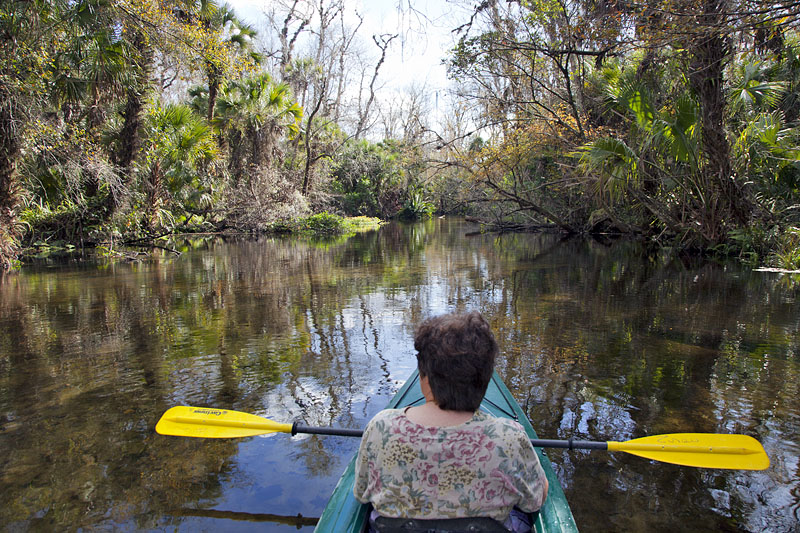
x,y
297,521
600,341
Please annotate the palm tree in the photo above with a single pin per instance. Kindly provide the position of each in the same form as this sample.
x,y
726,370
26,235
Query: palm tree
x,y
9,185
766,143
751,89
130,137
255,112
27,30
235,41
178,145
653,162
239,39
88,77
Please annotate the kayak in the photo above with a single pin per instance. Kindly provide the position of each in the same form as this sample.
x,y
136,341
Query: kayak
x,y
345,514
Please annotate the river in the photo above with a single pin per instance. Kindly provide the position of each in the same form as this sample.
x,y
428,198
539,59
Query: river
x,y
599,341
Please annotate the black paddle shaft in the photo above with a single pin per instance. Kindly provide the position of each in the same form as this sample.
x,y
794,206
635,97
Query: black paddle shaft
x,y
538,443
341,432
570,444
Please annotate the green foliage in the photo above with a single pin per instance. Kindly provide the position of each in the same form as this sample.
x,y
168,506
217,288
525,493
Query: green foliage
x,y
768,150
323,224
752,89
254,113
786,254
9,250
319,225
767,142
66,221
363,223
367,179
178,149
751,245
416,207
653,166
660,144
613,161
660,140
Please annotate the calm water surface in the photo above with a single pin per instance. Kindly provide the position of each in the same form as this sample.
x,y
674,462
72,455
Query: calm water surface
x,y
599,341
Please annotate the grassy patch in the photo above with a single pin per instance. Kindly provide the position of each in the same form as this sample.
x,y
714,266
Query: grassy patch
x,y
324,225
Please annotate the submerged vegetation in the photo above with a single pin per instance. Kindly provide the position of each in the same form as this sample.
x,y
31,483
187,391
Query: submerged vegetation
x,y
123,121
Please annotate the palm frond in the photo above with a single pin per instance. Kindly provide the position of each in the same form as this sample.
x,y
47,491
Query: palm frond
x,y
612,162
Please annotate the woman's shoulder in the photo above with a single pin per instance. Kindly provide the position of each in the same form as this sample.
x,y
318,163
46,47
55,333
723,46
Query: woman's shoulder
x,y
500,425
384,416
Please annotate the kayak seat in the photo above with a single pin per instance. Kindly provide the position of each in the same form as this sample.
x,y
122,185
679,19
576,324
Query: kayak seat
x,y
382,524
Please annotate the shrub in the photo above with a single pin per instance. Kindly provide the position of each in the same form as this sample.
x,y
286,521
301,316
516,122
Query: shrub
x,y
787,253
416,207
323,224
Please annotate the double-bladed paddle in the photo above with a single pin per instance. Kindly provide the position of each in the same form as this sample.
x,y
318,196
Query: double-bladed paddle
x,y
705,450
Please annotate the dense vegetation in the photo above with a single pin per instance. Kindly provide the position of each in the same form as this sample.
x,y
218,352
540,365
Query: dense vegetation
x,y
676,121
123,120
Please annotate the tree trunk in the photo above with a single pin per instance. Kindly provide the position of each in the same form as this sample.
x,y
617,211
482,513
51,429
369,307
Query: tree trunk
x,y
310,137
9,187
155,193
723,199
95,120
383,45
214,78
130,135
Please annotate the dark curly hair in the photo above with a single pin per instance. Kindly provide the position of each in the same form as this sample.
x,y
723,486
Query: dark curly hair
x,y
456,352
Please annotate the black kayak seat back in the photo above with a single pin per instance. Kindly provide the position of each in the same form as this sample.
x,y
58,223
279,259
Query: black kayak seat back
x,y
383,524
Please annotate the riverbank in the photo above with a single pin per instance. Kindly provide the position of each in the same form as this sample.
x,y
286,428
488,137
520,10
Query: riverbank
x,y
322,225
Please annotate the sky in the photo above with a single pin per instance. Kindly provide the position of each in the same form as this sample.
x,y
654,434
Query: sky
x,y
415,57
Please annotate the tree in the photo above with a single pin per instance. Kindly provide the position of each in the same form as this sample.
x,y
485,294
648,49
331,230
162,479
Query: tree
x,y
255,112
88,77
226,44
520,61
641,92
177,148
367,179
317,51
382,42
26,30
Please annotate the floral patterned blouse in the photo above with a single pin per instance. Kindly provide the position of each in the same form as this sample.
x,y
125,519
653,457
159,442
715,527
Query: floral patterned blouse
x,y
483,467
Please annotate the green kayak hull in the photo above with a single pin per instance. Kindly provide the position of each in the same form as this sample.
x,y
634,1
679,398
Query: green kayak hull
x,y
345,514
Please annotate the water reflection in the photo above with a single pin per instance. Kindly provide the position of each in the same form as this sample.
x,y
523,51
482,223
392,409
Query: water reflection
x,y
600,341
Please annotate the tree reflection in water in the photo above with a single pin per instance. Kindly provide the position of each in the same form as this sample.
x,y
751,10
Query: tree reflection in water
x,y
602,341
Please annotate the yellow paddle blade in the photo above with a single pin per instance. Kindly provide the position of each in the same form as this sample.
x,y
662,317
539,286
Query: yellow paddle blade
x,y
704,450
185,421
